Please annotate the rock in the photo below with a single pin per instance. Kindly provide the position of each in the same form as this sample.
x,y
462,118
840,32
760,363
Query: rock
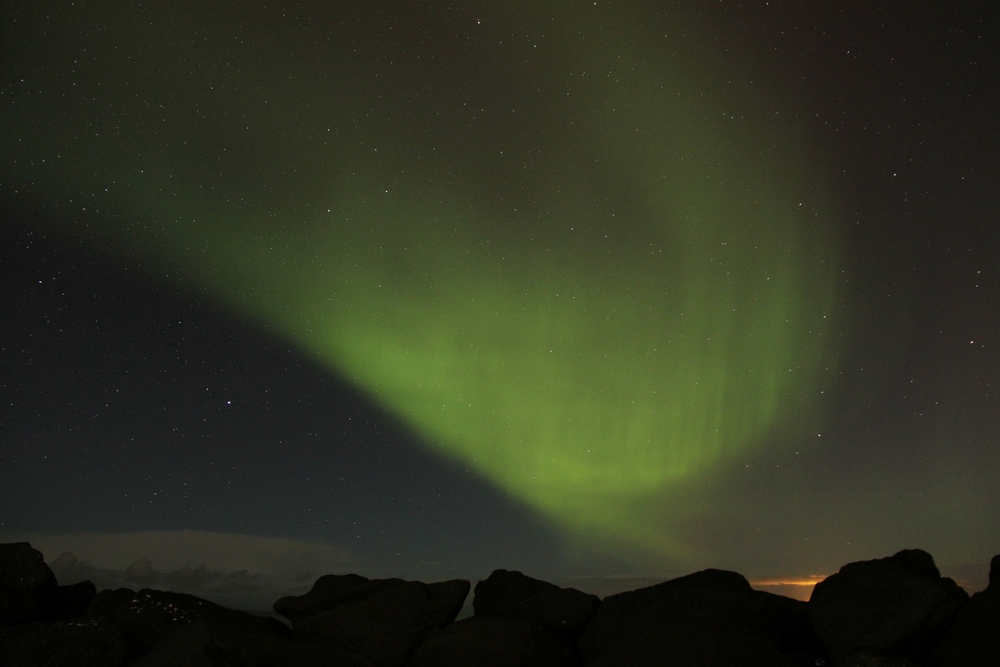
x,y
149,616
891,612
209,643
505,594
73,601
484,641
330,591
446,600
85,642
896,606
858,660
973,640
712,580
711,618
785,623
386,625
27,585
109,602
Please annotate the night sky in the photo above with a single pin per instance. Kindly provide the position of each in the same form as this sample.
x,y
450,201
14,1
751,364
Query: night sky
x,y
599,291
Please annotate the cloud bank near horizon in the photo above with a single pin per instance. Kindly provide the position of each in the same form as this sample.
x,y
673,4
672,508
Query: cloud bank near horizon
x,y
244,571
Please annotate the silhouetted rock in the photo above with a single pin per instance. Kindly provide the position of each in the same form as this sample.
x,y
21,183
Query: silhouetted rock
x,y
785,623
85,642
383,620
973,640
506,594
710,618
330,591
109,602
896,606
73,601
149,616
710,580
210,643
486,641
891,612
876,661
27,585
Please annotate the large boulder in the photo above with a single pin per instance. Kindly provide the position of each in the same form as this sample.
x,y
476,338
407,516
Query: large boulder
x,y
109,602
148,617
506,594
383,620
445,601
973,640
857,660
708,619
73,601
785,624
329,591
86,642
27,585
210,643
485,641
892,607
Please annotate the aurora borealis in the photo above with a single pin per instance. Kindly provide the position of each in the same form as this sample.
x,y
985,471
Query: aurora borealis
x,y
585,251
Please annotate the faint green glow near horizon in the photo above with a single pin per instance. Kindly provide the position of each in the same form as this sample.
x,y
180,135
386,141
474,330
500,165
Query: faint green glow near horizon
x,y
663,308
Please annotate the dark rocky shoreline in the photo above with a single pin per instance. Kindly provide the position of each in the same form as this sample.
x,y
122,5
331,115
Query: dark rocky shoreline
x,y
890,612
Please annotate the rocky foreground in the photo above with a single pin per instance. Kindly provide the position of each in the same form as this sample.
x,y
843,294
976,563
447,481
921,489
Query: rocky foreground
x,y
890,612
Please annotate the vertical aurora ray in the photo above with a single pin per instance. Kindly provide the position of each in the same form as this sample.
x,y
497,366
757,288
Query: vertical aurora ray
x,y
610,296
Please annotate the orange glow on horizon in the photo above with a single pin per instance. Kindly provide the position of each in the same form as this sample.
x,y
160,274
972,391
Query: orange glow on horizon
x,y
811,580
798,588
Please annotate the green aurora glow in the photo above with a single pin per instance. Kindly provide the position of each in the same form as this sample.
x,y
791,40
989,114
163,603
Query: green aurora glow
x,y
617,282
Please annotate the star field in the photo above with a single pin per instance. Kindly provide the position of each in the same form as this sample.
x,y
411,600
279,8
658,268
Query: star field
x,y
634,287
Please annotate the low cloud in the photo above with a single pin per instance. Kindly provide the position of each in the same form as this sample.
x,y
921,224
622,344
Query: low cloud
x,y
190,578
241,582
141,573
69,569
241,571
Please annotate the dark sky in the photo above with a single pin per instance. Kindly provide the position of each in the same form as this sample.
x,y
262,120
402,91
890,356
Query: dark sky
x,y
250,255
